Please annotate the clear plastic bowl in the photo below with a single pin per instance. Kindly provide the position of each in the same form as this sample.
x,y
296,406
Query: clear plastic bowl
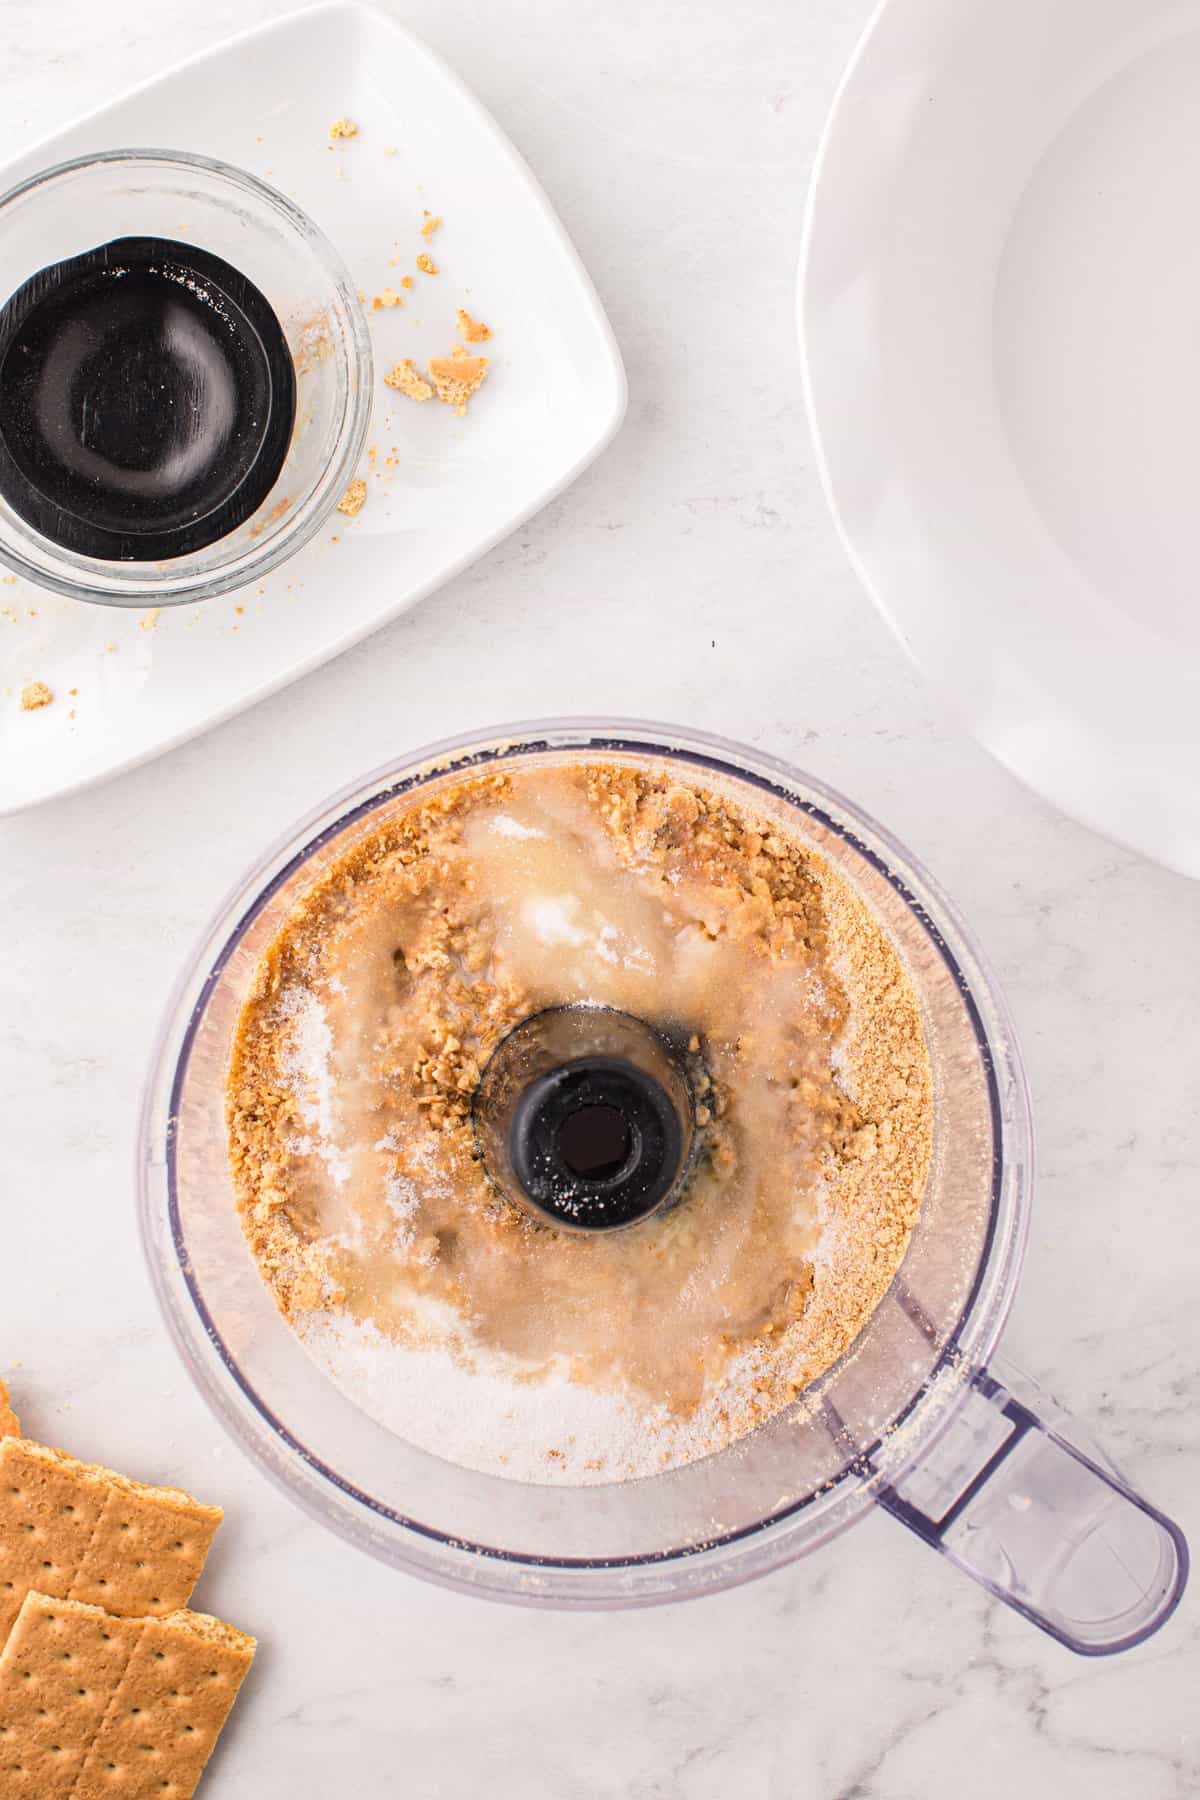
x,y
79,205
911,1418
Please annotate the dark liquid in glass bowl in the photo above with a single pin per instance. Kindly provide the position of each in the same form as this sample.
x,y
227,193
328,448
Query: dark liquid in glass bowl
x,y
147,400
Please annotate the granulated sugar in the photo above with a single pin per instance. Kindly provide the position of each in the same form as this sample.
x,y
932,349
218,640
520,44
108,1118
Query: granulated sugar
x,y
484,1411
305,1058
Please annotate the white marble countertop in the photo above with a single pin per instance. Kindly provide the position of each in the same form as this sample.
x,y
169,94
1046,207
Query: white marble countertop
x,y
692,575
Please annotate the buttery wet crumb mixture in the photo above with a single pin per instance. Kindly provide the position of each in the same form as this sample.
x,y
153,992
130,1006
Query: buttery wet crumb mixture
x,y
468,1323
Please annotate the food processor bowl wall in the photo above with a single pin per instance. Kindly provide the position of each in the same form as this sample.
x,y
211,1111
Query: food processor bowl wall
x,y
858,1434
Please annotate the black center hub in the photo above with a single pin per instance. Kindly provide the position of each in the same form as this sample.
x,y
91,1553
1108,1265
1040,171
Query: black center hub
x,y
585,1116
595,1142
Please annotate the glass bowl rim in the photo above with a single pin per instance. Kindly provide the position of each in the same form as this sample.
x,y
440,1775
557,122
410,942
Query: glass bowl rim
x,y
306,520
645,1578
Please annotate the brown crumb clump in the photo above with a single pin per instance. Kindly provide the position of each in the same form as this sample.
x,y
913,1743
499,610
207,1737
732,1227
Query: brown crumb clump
x,y
457,376
389,297
343,128
353,499
35,695
406,379
430,225
472,331
426,262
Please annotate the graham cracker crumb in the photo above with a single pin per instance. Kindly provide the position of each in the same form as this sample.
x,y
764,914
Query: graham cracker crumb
x,y
426,262
343,128
389,297
35,695
407,380
150,619
430,225
351,502
472,331
406,281
457,376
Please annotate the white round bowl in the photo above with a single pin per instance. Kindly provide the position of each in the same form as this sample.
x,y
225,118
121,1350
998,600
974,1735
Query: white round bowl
x,y
1000,327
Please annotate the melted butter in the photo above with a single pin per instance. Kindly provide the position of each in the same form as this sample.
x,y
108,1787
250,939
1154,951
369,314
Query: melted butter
x,y
533,896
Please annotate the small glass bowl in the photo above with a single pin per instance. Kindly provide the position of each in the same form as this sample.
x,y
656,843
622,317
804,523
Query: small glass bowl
x,y
79,205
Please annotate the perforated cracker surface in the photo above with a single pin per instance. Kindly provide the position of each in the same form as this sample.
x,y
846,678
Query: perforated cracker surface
x,y
75,1530
93,1706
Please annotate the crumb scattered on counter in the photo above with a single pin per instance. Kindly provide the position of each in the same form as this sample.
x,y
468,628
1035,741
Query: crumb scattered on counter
x,y
408,380
343,128
150,620
430,224
36,695
389,149
389,297
406,281
426,262
457,376
352,500
472,331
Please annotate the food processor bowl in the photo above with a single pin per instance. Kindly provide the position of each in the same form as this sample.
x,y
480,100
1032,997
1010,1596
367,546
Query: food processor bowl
x,y
77,206
917,1417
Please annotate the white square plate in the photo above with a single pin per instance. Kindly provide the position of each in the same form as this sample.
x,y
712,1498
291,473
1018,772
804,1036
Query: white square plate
x,y
442,489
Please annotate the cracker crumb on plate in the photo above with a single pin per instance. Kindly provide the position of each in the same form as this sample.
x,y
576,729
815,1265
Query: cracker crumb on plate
x,y
472,331
408,380
457,376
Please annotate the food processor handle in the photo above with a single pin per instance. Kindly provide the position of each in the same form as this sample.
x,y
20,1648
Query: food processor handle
x,y
1015,1494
